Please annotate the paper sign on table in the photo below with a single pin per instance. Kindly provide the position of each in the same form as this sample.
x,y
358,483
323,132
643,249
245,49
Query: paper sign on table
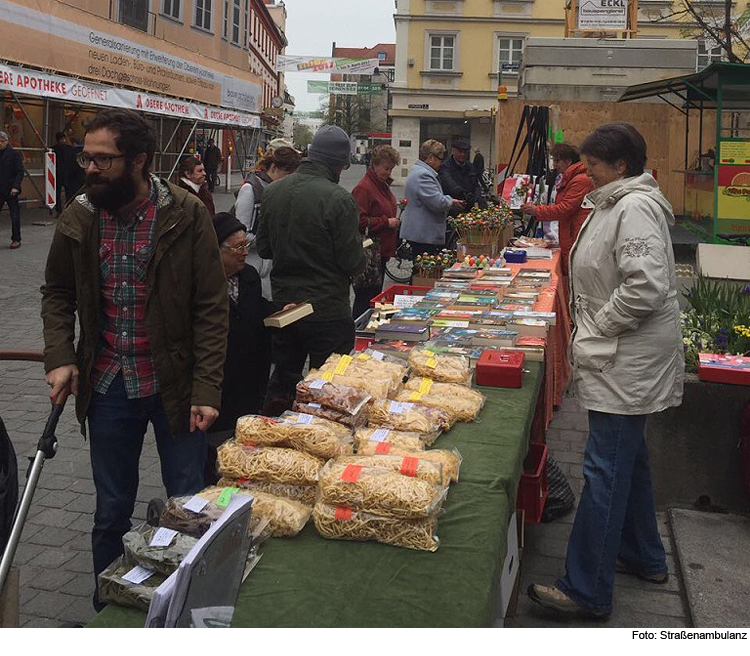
x,y
401,301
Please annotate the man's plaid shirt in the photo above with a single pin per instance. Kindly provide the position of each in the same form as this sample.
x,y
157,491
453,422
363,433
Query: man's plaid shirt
x,y
124,252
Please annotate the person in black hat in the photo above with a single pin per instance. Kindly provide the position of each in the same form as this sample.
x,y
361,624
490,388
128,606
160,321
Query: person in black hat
x,y
458,177
248,362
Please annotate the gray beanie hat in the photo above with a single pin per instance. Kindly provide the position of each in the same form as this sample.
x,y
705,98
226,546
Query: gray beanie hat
x,y
331,146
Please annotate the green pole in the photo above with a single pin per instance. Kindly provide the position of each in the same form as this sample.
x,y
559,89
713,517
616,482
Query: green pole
x,y
717,158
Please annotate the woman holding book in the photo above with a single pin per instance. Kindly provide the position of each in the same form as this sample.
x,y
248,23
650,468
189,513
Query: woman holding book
x,y
627,361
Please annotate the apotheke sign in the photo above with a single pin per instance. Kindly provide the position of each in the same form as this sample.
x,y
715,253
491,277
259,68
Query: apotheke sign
x,y
603,15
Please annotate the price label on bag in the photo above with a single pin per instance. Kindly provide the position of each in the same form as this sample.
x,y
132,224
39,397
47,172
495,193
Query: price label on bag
x,y
163,537
351,473
226,496
363,356
317,384
383,449
327,377
432,363
196,504
303,418
425,386
415,396
379,435
378,355
343,365
137,575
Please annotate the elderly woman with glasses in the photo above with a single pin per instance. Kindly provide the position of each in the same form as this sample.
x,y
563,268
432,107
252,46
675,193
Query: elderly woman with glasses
x,y
248,362
423,220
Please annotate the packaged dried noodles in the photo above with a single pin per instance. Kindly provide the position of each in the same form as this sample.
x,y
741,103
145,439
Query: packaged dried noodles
x,y
364,365
267,463
449,459
409,416
304,493
405,465
441,368
318,410
377,388
314,435
412,441
462,402
342,523
343,399
376,361
378,491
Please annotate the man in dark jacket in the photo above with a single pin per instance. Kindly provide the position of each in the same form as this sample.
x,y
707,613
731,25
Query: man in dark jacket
x,y
66,165
212,159
137,259
309,227
458,177
11,177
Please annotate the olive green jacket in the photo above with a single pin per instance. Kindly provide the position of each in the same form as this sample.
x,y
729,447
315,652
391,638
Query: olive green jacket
x,y
186,303
309,227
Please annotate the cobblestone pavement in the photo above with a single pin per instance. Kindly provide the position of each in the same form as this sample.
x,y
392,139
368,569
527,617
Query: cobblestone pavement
x,y
54,556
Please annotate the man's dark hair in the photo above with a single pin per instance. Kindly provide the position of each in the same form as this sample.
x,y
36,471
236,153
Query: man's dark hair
x,y
613,142
565,151
133,134
59,136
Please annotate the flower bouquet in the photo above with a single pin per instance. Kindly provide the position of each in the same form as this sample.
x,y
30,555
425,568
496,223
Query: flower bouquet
x,y
432,266
482,227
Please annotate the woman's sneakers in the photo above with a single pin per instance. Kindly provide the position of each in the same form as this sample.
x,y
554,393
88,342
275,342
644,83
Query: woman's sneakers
x,y
659,577
555,599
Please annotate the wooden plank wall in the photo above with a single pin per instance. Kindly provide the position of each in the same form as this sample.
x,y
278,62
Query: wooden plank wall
x,y
661,125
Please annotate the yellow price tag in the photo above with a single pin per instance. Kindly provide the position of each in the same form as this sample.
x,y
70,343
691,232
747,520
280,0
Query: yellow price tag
x,y
363,356
343,364
415,396
425,386
432,363
327,377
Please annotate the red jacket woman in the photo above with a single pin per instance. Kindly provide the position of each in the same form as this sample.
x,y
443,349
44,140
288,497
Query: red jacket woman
x,y
573,186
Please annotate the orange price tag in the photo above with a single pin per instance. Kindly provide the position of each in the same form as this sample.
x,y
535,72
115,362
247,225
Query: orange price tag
x,y
351,473
383,449
342,512
409,466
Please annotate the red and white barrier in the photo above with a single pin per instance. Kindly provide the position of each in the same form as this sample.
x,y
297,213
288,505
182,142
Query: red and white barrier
x,y
50,178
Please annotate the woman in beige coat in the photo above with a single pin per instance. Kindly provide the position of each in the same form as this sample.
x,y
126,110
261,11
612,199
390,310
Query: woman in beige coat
x,y
627,358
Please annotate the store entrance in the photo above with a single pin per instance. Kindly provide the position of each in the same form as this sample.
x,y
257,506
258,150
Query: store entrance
x,y
446,131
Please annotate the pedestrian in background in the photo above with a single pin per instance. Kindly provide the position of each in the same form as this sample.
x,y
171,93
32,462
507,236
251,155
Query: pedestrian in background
x,y
192,177
11,177
137,260
65,165
309,227
424,218
458,177
377,217
212,160
628,362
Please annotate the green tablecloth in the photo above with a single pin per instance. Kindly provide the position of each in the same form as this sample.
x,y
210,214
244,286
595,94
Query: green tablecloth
x,y
310,582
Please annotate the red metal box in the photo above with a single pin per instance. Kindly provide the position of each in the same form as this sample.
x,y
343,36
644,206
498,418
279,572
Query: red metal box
x,y
716,368
500,369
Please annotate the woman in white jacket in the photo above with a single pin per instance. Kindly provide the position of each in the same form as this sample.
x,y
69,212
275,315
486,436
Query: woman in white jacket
x,y
627,358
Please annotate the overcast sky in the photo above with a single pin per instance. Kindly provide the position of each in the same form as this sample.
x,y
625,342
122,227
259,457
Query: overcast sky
x,y
313,25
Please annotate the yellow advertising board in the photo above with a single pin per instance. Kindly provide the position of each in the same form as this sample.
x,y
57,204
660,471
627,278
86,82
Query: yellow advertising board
x,y
733,186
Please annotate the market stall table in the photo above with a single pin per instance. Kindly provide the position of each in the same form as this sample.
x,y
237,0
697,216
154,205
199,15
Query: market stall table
x,y
311,582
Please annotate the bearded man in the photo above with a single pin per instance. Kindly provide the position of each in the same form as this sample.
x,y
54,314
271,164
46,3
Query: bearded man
x,y
138,260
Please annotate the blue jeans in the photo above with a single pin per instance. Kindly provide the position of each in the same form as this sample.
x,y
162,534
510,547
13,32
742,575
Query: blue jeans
x,y
616,516
117,426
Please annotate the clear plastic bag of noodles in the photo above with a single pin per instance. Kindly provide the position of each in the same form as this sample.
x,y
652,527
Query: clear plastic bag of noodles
x,y
341,398
304,493
449,459
319,437
363,366
412,441
424,470
343,523
461,401
267,463
113,588
285,517
376,361
441,368
318,410
379,491
376,387
408,416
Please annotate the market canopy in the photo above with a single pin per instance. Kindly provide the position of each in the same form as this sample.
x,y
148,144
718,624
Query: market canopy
x,y
721,83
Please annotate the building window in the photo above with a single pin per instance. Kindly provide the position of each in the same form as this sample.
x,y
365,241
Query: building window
x,y
442,52
708,53
246,24
203,14
510,51
134,13
382,56
171,8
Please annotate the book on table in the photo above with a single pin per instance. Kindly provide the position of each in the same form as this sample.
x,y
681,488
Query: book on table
x,y
408,331
283,318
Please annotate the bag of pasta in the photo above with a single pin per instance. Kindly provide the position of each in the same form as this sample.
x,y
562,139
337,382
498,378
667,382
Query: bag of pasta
x,y
412,441
448,459
267,463
343,523
376,387
441,368
364,366
317,410
409,416
461,401
344,400
430,472
314,435
374,361
304,493
191,522
378,491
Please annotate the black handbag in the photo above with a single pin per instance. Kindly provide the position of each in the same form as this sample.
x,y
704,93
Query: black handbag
x,y
370,277
560,497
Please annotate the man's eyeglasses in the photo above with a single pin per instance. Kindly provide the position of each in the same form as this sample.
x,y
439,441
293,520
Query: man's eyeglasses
x,y
102,162
438,157
239,248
